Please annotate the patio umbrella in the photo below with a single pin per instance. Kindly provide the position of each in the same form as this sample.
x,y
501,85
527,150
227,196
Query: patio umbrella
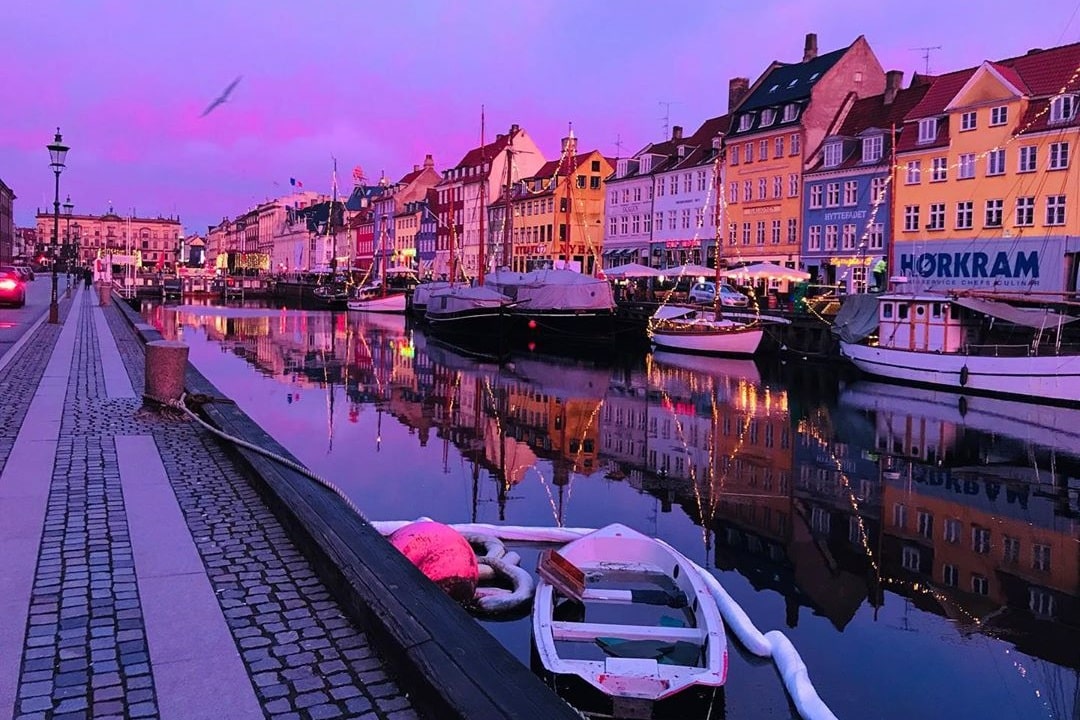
x,y
689,270
632,270
766,271
400,270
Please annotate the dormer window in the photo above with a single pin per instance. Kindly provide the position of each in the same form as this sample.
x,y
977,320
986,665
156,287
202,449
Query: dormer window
x,y
716,143
745,121
814,77
834,153
767,117
1062,108
774,88
793,83
681,151
872,148
927,130
790,112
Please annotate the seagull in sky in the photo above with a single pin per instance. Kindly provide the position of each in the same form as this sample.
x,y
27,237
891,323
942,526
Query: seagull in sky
x,y
223,97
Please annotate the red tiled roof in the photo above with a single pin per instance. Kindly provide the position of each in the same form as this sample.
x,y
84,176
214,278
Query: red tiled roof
x,y
485,153
872,112
943,89
1012,77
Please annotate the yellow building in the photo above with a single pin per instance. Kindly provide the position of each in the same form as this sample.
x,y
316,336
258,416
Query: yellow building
x,y
983,175
558,213
778,125
152,242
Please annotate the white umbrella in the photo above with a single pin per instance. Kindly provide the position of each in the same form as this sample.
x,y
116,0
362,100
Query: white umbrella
x,y
766,271
689,270
400,270
631,270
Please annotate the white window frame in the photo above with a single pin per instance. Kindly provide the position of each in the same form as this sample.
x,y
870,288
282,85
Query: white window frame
x,y
795,144
913,175
1062,108
847,236
817,196
965,214
936,217
875,235
768,115
832,194
911,218
832,235
999,115
927,130
745,121
814,238
793,185
834,154
1027,160
995,162
1025,211
939,169
1059,156
968,121
872,148
851,192
965,167
791,111
877,189
993,207
1055,210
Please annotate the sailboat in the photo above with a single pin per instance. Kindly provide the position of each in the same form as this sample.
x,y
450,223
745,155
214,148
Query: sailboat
x,y
379,297
691,330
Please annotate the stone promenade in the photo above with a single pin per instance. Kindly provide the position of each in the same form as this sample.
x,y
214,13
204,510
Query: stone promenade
x,y
141,576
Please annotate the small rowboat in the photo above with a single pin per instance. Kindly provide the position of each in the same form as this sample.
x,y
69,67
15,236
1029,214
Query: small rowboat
x,y
626,625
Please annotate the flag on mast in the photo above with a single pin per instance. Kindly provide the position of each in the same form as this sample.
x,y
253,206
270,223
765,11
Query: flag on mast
x,y
295,183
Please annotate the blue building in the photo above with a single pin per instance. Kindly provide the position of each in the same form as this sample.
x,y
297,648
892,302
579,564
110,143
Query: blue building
x,y
426,236
847,225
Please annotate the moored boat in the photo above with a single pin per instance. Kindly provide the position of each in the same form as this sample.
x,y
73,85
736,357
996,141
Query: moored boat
x,y
558,304
698,331
965,343
469,311
626,625
376,299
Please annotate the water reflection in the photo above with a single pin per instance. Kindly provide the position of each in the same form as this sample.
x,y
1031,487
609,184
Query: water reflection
x,y
847,515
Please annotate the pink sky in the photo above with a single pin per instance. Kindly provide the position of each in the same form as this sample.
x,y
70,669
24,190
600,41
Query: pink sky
x,y
381,84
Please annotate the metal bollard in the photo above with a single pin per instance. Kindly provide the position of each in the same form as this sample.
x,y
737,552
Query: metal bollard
x,y
166,363
104,293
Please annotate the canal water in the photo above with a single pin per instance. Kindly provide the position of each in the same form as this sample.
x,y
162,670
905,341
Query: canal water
x,y
921,550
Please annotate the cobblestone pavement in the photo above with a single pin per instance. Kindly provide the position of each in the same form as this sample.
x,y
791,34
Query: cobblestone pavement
x,y
86,650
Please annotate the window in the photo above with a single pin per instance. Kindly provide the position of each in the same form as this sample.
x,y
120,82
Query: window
x,y
910,558
1040,602
815,197
911,218
623,225
612,227
1059,155
877,189
925,522
778,146
767,117
746,233
749,152
914,172
793,185
967,121
763,149
964,214
646,223
999,115
849,237
993,213
659,221
686,219
1055,209
995,162
830,237
747,191
733,158
671,220
673,184
733,192
790,113
688,182
833,154
899,515
966,166
580,181
876,235
927,130
832,195
635,224
1011,550
775,232
980,539
949,575
701,180
851,192
745,121
1028,159
815,237
660,187
1025,211
733,233
952,531
792,230
937,217
1062,108
979,584
872,148
777,187
762,188
939,170
760,235
795,149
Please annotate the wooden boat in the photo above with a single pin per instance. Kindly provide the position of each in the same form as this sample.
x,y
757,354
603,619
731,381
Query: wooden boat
x,y
698,331
626,625
478,312
964,343
375,299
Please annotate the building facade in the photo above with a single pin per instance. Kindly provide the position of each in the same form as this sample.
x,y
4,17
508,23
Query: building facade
x,y
847,213
985,179
388,250
7,223
778,125
148,243
628,230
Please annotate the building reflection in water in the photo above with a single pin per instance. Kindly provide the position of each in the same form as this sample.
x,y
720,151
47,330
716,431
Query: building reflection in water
x,y
966,509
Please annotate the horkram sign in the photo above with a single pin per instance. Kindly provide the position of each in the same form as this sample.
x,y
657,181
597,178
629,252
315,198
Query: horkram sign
x,y
1028,264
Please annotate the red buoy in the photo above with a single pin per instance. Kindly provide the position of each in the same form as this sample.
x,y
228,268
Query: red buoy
x,y
442,554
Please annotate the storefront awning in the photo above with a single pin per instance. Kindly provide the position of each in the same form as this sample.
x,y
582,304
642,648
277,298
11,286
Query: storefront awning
x,y
1039,318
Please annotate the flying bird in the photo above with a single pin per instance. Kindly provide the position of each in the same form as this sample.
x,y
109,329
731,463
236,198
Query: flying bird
x,y
223,97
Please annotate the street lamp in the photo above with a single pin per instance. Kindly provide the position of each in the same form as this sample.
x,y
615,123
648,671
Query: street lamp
x,y
57,155
68,207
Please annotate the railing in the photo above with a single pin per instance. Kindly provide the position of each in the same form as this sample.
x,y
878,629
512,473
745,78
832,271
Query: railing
x,y
1025,350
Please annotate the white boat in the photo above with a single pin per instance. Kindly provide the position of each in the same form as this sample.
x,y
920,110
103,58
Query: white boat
x,y
964,343
422,295
632,624
559,304
373,299
691,330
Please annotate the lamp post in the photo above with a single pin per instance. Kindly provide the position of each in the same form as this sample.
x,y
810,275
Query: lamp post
x,y
68,207
57,155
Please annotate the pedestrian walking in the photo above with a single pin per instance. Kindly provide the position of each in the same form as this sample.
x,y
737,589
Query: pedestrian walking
x,y
88,276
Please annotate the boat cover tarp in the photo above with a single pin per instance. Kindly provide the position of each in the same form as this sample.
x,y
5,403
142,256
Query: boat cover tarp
x,y
857,317
555,290
455,299
1038,318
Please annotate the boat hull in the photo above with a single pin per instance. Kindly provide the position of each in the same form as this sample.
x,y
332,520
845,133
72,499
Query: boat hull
x,y
480,323
604,557
1045,379
724,342
394,304
578,326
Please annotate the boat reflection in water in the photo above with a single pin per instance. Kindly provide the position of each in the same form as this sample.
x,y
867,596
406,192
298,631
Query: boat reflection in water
x,y
902,538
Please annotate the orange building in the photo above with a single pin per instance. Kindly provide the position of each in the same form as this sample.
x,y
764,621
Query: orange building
x,y
775,129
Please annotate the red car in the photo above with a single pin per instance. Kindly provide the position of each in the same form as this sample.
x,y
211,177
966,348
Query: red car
x,y
12,289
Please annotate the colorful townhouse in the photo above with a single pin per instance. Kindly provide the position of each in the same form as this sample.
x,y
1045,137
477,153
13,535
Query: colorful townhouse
x,y
985,182
150,242
684,197
360,207
847,215
628,230
557,214
426,235
465,192
781,123
389,251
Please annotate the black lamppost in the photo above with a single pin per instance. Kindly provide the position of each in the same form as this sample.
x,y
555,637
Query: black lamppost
x,y
67,248
57,154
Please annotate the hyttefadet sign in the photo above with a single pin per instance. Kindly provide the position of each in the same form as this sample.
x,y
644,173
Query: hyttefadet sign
x,y
1033,265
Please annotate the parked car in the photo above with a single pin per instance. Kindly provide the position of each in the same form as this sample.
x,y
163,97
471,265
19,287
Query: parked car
x,y
12,288
705,292
23,274
27,271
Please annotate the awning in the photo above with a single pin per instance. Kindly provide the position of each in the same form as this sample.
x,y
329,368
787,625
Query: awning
x,y
627,252
1039,318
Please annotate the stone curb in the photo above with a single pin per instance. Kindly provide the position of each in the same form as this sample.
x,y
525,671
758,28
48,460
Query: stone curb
x,y
459,669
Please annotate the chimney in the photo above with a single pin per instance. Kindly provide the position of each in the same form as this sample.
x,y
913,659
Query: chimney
x,y
569,145
416,168
810,48
429,162
514,128
738,88
893,80
676,132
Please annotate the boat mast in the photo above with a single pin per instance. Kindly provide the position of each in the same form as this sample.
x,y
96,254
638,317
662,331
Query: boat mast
x,y
718,176
509,217
891,187
568,160
483,208
330,224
